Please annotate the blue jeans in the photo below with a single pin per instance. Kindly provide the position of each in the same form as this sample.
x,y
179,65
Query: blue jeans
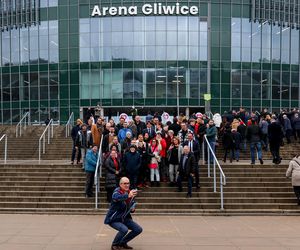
x,y
190,183
123,236
237,153
213,147
257,146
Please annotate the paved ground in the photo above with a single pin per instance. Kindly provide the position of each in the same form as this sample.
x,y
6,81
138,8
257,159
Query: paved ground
x,y
31,232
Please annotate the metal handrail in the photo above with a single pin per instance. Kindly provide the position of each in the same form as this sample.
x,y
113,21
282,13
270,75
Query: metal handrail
x,y
222,175
43,138
19,125
98,176
69,124
5,147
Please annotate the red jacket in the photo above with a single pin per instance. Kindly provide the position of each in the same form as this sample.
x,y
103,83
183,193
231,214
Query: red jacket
x,y
163,151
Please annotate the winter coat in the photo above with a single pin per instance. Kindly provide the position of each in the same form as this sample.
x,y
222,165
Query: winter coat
x,y
119,209
237,139
84,139
190,165
253,133
122,134
296,123
294,171
275,133
183,135
74,132
132,162
111,179
96,133
287,124
227,139
170,154
211,133
140,127
163,150
175,127
195,149
263,125
155,158
90,161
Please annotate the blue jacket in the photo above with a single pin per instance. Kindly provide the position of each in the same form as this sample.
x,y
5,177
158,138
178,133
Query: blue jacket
x,y
90,161
122,134
132,162
119,209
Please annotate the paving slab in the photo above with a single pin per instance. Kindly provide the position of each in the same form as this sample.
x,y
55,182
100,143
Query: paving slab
x,y
75,232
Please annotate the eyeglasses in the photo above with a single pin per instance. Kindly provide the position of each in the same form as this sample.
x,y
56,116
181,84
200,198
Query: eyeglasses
x,y
125,183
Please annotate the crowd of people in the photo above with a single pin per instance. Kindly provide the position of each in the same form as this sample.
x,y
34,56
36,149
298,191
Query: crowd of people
x,y
152,152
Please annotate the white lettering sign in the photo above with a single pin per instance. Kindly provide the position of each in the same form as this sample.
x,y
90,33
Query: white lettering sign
x,y
147,9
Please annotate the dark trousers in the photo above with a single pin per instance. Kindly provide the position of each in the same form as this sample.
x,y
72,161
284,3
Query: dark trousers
x,y
133,180
297,192
197,179
190,183
89,183
288,134
163,168
74,154
274,148
123,237
143,173
109,193
231,153
297,132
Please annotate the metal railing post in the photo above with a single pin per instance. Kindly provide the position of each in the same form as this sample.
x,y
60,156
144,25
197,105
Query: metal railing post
x,y
221,191
222,175
5,150
208,160
215,177
5,147
20,124
203,153
42,139
69,124
97,175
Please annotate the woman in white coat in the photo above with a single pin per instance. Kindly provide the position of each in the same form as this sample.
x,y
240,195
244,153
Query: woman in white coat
x,y
294,172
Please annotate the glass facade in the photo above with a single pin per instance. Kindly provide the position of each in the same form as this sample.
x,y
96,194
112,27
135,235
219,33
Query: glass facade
x,y
68,60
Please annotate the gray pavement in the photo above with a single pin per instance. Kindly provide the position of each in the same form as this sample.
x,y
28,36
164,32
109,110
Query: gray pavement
x,y
63,232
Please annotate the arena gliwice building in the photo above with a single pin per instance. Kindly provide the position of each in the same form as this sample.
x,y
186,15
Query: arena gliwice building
x,y
62,56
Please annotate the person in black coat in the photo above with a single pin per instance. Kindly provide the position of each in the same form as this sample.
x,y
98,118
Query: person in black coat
x,y
140,125
227,141
237,142
195,149
186,170
132,163
150,130
113,172
275,135
74,133
175,126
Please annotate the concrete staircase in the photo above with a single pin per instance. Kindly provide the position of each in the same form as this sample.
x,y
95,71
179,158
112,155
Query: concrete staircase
x,y
60,189
55,186
26,147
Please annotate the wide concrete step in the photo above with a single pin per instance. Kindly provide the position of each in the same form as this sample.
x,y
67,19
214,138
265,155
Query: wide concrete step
x,y
146,194
166,200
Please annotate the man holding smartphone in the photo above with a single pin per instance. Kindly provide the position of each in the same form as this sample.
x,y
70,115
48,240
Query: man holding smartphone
x,y
119,215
